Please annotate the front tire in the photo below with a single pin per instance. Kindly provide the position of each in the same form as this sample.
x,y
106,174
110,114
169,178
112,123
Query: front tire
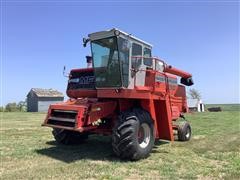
x,y
133,135
184,131
67,137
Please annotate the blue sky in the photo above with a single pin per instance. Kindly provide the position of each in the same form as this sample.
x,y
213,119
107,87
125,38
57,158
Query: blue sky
x,y
40,37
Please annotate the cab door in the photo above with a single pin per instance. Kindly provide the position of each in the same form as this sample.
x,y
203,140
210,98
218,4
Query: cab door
x,y
138,72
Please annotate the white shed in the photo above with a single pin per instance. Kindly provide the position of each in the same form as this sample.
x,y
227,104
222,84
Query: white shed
x,y
195,105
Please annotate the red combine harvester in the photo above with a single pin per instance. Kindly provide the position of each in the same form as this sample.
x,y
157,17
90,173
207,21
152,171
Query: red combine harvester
x,y
127,93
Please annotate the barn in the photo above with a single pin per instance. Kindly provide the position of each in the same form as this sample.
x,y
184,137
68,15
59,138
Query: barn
x,y
38,99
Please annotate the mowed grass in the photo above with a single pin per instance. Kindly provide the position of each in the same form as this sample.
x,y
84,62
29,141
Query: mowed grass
x,y
28,151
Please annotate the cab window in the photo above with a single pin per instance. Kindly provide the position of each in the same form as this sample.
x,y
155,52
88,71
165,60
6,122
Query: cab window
x,y
136,56
147,57
124,46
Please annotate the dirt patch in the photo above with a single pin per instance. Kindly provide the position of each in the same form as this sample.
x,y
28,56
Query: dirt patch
x,y
199,137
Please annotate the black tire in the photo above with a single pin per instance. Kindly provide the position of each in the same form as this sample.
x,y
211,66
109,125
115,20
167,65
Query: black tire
x,y
67,137
126,142
184,131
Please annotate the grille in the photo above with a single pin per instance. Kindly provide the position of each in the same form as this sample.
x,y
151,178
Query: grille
x,y
62,118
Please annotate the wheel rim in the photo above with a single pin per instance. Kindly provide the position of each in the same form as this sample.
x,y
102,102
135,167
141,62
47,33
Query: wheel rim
x,y
188,134
144,135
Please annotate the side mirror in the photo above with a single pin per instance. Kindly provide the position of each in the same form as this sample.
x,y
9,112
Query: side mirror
x,y
85,41
187,81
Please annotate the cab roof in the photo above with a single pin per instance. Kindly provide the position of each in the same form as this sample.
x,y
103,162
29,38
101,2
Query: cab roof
x,y
113,32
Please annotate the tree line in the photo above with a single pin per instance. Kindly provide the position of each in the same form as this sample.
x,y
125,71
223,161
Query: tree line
x,y
15,107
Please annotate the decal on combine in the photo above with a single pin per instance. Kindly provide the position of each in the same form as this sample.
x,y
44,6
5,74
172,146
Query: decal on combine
x,y
159,78
82,80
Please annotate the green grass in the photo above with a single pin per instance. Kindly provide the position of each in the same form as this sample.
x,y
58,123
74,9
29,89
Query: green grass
x,y
28,151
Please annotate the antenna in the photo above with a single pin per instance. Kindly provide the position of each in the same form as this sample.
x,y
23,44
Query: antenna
x,y
64,73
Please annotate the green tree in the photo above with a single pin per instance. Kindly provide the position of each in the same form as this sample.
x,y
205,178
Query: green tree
x,y
22,105
11,107
1,109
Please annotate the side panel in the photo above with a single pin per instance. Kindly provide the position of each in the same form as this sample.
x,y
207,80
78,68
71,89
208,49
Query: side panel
x,y
125,104
140,77
179,99
164,119
81,83
160,111
100,110
148,105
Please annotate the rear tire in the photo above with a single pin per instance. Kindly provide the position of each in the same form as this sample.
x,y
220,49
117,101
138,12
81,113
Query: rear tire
x,y
133,135
184,131
67,137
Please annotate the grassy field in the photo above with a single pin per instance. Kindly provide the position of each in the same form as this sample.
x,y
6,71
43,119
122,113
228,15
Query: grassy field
x,y
28,151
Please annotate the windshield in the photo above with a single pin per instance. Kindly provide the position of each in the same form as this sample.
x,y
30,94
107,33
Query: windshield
x,y
106,62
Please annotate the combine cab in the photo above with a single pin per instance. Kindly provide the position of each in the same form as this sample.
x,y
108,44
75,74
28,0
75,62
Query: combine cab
x,y
127,94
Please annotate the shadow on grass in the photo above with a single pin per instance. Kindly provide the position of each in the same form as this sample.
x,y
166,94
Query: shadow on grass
x,y
157,144
95,148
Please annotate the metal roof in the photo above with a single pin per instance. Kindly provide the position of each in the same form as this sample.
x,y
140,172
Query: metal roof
x,y
46,92
133,37
101,34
